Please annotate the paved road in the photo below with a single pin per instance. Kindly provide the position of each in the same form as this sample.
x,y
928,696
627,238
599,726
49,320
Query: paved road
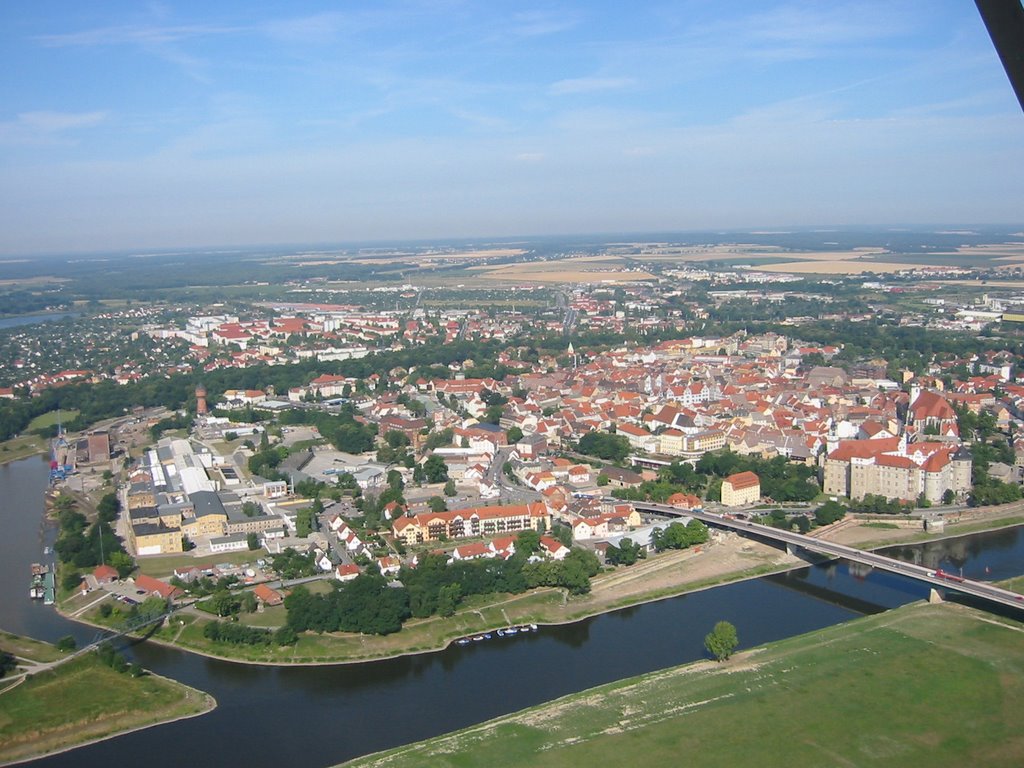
x,y
980,589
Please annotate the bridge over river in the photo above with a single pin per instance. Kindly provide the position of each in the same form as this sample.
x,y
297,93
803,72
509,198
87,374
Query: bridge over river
x,y
981,590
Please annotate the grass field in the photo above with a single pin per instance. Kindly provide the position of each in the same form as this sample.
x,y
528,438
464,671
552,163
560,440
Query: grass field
x,y
27,648
924,685
22,447
44,420
85,700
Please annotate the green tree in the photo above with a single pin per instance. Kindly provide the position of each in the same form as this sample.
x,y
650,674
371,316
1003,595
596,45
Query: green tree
x,y
721,641
66,643
437,504
435,470
449,488
514,435
123,562
252,541
448,597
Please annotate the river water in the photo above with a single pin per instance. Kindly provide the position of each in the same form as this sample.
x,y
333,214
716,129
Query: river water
x,y
46,317
319,716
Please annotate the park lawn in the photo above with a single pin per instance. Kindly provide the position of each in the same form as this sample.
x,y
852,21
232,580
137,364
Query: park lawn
x,y
50,418
270,617
85,700
27,648
935,685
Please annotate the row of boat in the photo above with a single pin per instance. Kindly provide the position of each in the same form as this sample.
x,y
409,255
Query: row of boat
x,y
504,632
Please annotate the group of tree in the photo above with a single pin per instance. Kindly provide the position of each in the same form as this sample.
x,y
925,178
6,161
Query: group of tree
x,y
627,552
225,602
80,545
990,492
396,450
266,461
787,521
367,604
240,634
781,479
679,536
876,504
604,445
8,663
117,662
293,565
370,605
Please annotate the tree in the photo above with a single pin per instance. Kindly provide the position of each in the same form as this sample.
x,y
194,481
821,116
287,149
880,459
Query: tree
x,y
449,488
437,504
435,470
123,562
604,445
252,541
514,435
448,599
66,643
721,641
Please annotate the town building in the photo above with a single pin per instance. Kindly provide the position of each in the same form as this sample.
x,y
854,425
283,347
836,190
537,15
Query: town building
x,y
741,489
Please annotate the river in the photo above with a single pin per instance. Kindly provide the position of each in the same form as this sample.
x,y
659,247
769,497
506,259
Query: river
x,y
319,716
45,317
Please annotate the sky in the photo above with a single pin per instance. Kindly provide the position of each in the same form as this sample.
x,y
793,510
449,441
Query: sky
x,y
128,125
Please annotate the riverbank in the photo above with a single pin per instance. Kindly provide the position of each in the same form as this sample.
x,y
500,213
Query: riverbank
x,y
22,447
728,559
935,685
875,534
82,702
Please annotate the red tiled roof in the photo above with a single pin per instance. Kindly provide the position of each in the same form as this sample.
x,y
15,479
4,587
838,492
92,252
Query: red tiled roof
x,y
742,480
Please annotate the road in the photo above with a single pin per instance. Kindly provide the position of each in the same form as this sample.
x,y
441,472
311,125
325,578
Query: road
x,y
509,490
979,589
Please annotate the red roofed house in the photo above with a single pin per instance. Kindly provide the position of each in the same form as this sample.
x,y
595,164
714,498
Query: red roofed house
x,y
105,574
346,572
685,501
741,489
268,596
157,587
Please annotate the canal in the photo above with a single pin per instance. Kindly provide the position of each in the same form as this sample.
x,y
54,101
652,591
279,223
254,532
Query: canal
x,y
319,716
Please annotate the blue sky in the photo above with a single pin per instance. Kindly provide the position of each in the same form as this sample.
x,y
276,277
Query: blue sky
x,y
126,125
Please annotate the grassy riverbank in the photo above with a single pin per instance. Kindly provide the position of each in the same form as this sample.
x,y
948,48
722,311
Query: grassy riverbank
x,y
82,701
935,685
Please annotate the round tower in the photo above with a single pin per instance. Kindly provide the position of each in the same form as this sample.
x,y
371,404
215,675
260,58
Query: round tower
x,y
200,400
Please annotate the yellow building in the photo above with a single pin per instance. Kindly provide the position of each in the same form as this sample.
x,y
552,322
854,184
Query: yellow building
x,y
741,489
476,521
150,539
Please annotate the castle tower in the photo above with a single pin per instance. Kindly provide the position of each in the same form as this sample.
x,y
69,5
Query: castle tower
x,y
200,400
